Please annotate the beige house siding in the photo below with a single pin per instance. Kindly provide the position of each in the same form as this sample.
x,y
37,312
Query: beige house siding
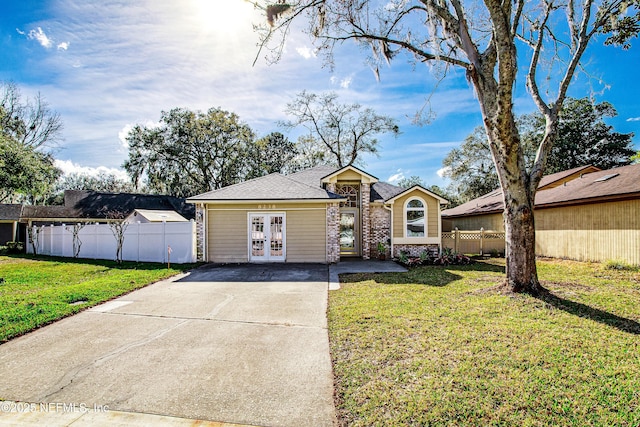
x,y
305,231
227,236
594,232
306,236
432,214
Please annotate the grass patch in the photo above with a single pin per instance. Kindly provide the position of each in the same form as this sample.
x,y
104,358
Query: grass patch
x,y
443,346
39,290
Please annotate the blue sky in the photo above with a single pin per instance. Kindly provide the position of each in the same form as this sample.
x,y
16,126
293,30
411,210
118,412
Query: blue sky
x,y
106,65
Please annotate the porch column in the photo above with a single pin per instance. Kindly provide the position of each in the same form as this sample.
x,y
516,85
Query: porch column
x,y
366,220
333,233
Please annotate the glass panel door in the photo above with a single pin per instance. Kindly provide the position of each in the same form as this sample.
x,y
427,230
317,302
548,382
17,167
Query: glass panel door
x,y
267,237
258,238
349,239
276,237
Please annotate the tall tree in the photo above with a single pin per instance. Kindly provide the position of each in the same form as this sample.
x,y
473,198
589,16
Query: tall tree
x,y
189,152
583,139
269,154
30,122
484,39
346,130
26,175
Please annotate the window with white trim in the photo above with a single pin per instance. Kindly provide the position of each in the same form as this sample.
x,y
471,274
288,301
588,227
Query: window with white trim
x,y
414,217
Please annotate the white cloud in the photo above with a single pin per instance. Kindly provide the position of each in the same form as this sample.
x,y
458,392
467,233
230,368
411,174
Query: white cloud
x,y
63,46
68,167
633,119
41,37
21,32
442,171
399,175
306,52
122,135
346,82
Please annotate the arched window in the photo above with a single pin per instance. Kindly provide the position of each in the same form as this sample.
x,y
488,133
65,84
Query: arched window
x,y
415,214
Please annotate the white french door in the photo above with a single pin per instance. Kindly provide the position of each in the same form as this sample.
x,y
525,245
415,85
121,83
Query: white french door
x,y
266,237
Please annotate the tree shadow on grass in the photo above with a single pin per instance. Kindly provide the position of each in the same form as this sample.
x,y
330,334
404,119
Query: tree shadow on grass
x,y
125,265
430,276
578,309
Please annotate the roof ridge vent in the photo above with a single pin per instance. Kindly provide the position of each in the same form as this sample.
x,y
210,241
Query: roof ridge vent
x,y
606,177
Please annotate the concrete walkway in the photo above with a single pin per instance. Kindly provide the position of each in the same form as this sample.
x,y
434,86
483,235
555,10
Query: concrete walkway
x,y
360,266
241,345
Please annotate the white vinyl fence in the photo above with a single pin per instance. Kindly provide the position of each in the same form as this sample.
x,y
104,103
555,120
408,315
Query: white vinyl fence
x,y
147,242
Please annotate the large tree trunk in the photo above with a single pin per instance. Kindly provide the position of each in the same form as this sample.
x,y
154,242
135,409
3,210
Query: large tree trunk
x,y
520,239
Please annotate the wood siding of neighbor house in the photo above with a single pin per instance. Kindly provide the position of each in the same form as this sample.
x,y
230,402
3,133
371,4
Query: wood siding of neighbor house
x,y
228,228
592,232
432,215
492,222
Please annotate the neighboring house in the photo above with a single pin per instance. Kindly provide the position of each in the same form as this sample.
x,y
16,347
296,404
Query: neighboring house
x,y
317,215
10,228
585,214
91,206
144,216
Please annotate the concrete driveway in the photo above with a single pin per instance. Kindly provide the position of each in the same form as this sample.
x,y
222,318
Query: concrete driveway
x,y
244,344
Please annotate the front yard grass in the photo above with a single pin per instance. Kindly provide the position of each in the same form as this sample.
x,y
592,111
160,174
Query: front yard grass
x,y
444,346
39,290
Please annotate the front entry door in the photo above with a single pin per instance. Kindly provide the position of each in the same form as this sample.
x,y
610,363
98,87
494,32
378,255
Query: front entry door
x,y
349,232
266,237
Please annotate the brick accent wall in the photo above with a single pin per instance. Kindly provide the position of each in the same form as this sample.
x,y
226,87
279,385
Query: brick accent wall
x,y
415,250
333,233
380,219
200,232
366,220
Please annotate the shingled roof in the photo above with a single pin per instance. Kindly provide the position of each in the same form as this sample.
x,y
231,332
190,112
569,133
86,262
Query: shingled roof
x,y
81,204
604,185
269,187
10,212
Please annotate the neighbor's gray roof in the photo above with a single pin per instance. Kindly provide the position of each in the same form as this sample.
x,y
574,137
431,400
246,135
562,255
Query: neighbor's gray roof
x,y
270,187
10,212
612,184
90,204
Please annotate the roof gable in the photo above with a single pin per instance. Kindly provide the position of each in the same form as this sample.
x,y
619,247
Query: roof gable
x,y
559,178
422,190
349,173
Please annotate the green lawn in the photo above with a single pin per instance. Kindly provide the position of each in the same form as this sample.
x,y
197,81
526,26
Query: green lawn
x,y
38,291
444,346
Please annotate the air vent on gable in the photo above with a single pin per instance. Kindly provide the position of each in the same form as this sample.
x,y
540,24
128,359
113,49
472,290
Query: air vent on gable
x,y
606,177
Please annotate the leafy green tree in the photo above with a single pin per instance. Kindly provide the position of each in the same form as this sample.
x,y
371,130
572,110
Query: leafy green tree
x,y
189,152
489,40
411,181
270,154
416,180
103,182
583,139
26,175
636,158
346,130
